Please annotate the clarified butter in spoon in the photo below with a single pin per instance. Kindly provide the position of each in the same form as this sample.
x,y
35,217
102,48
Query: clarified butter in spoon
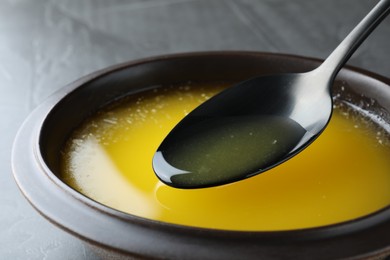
x,y
215,149
344,175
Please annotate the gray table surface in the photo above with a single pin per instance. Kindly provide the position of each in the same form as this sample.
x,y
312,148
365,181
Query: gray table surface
x,y
45,44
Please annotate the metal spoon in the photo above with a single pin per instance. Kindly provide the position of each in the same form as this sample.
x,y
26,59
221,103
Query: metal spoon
x,y
257,124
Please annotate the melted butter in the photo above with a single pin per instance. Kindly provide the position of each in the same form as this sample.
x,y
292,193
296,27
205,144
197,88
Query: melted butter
x,y
343,175
215,150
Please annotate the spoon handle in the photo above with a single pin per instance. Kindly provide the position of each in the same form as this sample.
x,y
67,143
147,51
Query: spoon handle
x,y
347,47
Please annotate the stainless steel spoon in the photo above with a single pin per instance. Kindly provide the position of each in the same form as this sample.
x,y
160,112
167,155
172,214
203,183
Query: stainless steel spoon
x,y
257,124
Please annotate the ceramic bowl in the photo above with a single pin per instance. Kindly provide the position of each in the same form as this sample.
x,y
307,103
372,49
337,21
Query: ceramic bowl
x,y
35,162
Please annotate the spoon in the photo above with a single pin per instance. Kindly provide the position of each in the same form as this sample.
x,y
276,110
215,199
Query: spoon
x,y
257,124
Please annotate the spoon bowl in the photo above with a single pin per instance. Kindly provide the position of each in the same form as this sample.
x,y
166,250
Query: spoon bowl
x,y
257,124
236,136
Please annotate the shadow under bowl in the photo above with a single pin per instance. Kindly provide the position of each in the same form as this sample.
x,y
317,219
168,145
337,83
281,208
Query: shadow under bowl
x,y
36,162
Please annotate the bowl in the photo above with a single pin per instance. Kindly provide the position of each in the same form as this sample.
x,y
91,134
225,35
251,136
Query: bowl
x,y
36,162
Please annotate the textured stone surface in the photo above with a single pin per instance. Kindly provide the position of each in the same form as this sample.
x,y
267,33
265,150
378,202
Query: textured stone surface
x,y
45,44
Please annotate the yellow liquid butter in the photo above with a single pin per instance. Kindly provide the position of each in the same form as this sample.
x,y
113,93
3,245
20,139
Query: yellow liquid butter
x,y
343,175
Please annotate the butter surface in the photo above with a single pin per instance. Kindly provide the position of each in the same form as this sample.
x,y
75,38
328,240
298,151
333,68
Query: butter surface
x,y
343,175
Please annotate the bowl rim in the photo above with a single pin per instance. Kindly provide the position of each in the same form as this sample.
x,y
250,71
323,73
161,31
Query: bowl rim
x,y
28,166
